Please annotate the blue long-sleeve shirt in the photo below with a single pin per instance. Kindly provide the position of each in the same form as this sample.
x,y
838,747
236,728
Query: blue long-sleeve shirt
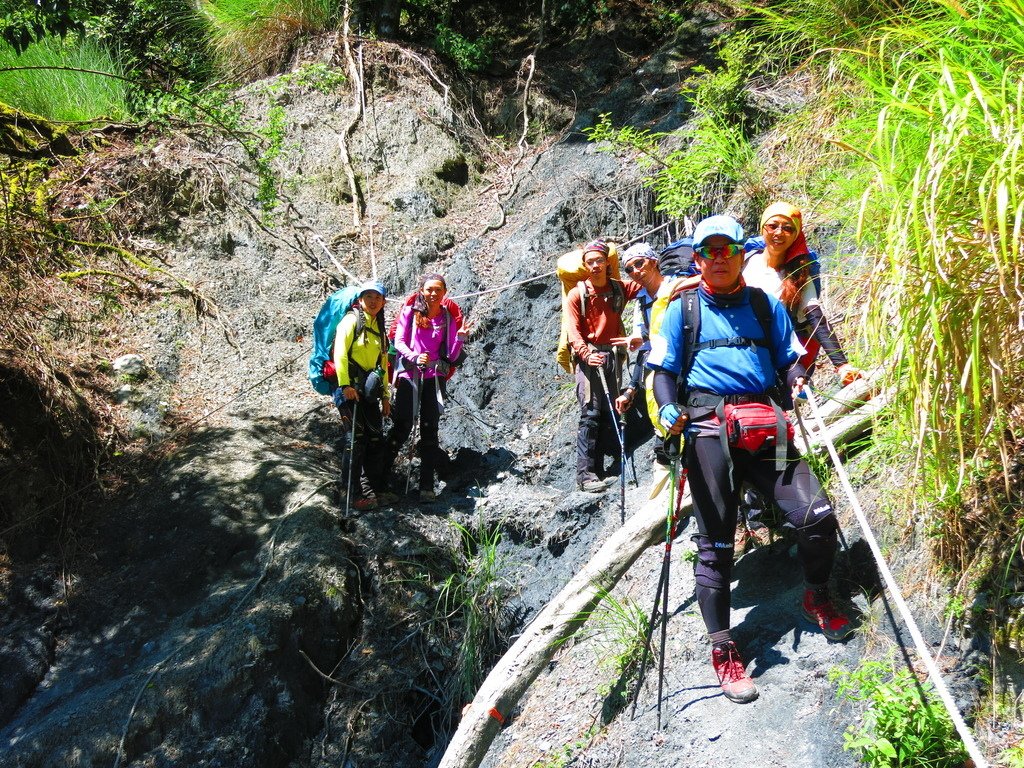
x,y
726,370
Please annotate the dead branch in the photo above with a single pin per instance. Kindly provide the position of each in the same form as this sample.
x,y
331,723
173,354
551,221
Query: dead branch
x,y
354,117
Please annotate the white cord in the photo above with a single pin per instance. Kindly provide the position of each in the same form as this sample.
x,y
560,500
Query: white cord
x,y
897,596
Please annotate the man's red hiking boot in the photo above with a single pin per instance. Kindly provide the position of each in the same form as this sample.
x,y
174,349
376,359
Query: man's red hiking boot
x,y
818,609
736,683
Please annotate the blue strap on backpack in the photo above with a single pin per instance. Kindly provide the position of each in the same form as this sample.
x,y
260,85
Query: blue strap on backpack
x,y
325,328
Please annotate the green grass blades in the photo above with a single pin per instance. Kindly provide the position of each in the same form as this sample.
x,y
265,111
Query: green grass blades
x,y
57,93
946,214
619,628
474,601
251,38
902,725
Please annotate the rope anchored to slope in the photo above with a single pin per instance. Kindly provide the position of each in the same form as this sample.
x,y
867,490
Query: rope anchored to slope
x,y
897,596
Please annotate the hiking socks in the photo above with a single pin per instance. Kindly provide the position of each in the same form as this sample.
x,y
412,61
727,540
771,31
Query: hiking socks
x,y
720,638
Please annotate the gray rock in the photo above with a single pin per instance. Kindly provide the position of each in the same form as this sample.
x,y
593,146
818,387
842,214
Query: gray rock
x,y
131,366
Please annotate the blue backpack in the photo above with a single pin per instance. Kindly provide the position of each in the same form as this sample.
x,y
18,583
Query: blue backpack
x,y
325,328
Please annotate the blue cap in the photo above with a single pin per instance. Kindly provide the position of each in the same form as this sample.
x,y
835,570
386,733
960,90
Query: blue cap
x,y
373,285
726,226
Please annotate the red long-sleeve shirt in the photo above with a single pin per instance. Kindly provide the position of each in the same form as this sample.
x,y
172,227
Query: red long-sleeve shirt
x,y
601,323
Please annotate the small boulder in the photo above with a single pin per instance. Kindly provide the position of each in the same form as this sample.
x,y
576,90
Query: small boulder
x,y
132,367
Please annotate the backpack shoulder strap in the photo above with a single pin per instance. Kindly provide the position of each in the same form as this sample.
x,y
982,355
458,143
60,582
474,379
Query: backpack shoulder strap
x,y
581,286
618,296
763,311
691,334
445,324
360,321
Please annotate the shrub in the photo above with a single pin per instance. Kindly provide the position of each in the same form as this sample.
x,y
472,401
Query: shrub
x,y
469,55
903,726
713,151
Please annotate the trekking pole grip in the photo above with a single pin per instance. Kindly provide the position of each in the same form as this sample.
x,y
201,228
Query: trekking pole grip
x,y
673,446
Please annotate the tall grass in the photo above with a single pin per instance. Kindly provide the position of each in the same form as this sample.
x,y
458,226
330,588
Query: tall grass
x,y
59,94
947,209
474,600
933,139
254,37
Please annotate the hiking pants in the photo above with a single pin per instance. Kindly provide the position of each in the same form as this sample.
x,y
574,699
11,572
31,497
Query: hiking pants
x,y
367,457
402,414
597,435
795,490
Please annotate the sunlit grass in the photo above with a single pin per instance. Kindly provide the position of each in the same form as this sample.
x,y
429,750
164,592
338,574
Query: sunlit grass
x,y
946,211
933,144
59,94
254,37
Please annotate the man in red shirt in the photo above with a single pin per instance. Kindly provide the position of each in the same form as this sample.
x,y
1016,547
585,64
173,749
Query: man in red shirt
x,y
596,337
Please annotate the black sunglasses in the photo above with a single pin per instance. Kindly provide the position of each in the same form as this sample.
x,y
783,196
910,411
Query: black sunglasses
x,y
634,265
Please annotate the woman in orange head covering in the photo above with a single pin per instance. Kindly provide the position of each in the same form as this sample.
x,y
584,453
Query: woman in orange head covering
x,y
786,268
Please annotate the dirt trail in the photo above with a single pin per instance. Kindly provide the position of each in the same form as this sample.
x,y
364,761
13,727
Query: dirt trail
x,y
574,710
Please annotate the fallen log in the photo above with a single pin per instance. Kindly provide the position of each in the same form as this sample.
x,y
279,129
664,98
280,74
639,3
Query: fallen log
x,y
568,612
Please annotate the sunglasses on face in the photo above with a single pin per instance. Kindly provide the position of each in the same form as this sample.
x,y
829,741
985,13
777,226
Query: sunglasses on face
x,y
721,251
789,229
635,265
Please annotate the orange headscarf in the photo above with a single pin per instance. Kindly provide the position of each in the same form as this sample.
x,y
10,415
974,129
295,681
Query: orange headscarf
x,y
796,270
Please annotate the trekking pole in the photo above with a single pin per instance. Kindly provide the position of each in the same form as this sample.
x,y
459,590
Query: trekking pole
x,y
803,429
657,593
622,446
417,381
661,593
351,455
670,531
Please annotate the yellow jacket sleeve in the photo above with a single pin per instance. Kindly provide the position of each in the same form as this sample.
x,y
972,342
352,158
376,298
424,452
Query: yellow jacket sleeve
x,y
342,343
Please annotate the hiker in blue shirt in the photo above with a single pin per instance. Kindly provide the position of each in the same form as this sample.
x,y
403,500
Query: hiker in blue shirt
x,y
717,359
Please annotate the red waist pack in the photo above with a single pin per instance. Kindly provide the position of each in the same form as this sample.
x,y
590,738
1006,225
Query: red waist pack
x,y
753,426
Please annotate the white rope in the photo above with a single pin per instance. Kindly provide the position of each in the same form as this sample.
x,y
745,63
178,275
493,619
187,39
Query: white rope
x,y
504,287
547,274
897,596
